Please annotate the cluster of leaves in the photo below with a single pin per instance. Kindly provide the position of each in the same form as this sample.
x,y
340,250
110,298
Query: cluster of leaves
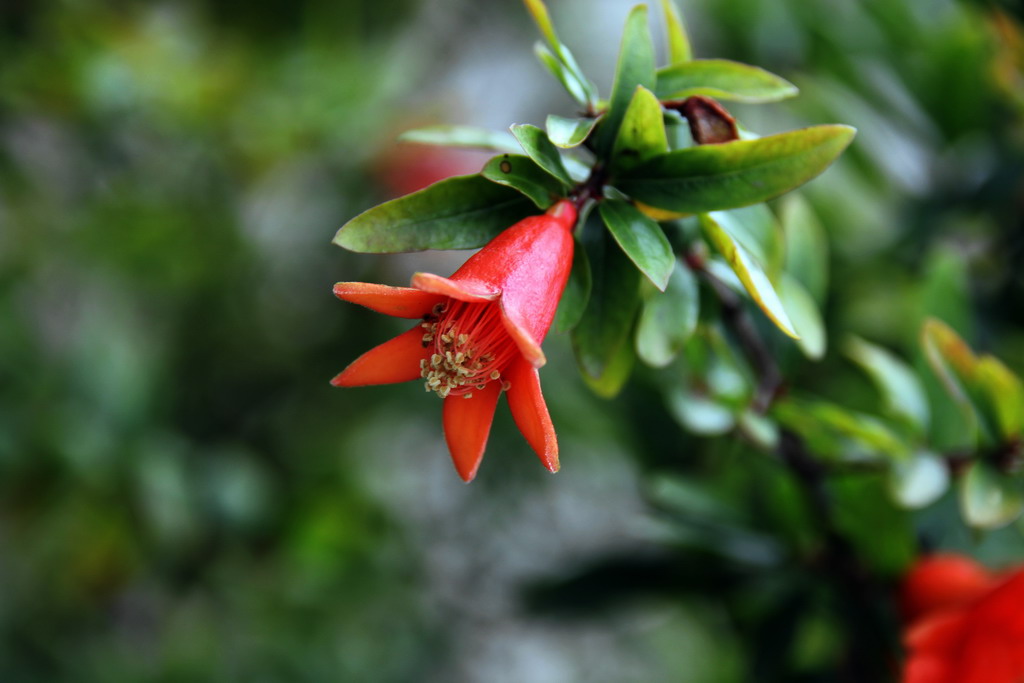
x,y
680,190
636,156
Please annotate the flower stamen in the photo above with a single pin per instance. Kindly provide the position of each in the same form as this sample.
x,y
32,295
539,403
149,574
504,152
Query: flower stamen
x,y
471,347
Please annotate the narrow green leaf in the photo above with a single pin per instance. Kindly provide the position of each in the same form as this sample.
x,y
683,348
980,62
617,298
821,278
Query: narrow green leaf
x,y
572,84
734,174
988,499
641,238
635,67
760,430
806,246
722,79
568,71
700,414
462,136
539,11
1004,393
642,134
757,229
919,481
522,173
463,212
807,322
539,148
675,33
750,273
955,365
614,297
900,388
668,319
567,133
835,431
577,292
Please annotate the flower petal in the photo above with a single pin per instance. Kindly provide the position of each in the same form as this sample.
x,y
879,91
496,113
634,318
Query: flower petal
x,y
531,413
467,423
396,360
400,302
468,290
520,332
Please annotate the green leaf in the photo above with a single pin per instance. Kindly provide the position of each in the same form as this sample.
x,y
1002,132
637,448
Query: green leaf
x,y
568,71
641,238
900,388
608,319
1004,393
989,500
576,88
539,11
642,133
567,133
919,481
750,273
837,432
522,173
806,246
756,228
675,33
700,414
539,148
955,364
759,430
462,136
463,212
722,79
734,174
577,292
635,67
668,319
804,314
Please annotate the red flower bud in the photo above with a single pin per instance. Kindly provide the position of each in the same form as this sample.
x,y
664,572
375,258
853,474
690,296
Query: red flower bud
x,y
481,334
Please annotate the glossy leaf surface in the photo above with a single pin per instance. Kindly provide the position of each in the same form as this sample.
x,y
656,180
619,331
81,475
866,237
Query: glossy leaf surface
x,y
464,212
635,68
538,147
522,173
722,79
462,136
734,174
749,272
641,239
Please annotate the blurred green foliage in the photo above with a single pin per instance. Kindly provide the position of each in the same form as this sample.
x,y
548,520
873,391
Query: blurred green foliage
x,y
182,495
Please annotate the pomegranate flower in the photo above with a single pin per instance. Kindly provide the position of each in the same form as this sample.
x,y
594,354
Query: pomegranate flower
x,y
480,335
966,625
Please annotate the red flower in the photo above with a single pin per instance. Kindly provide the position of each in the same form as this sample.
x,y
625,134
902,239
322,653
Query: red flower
x,y
481,334
966,625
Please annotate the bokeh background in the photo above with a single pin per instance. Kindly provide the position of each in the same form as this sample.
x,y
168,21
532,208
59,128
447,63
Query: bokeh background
x,y
184,497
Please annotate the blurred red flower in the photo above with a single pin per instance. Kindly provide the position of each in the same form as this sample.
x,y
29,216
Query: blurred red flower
x,y
481,334
965,624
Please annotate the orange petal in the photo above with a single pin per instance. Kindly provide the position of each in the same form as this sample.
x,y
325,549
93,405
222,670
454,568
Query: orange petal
x,y
518,330
396,360
400,302
531,413
466,290
467,422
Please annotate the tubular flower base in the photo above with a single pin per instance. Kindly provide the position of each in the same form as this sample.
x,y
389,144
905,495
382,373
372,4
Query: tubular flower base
x,y
966,625
480,335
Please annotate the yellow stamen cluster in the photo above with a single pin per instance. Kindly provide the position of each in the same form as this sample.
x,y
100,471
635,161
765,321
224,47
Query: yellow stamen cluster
x,y
463,361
